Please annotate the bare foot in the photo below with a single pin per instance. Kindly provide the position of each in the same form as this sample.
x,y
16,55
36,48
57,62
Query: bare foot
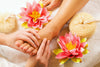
x,y
47,32
52,4
25,47
42,57
22,39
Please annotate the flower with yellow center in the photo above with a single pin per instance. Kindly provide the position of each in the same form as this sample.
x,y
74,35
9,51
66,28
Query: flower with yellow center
x,y
70,46
35,15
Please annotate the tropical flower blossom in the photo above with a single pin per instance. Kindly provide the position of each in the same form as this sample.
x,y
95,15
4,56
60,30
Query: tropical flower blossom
x,y
34,15
71,48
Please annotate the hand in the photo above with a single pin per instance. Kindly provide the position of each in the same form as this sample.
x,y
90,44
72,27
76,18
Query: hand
x,y
52,4
28,35
42,57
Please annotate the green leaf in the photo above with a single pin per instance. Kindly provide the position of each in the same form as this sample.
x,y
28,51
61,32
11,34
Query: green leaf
x,y
76,60
57,51
62,61
83,40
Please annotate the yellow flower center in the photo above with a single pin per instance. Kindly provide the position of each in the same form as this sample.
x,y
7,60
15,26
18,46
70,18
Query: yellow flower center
x,y
70,46
35,15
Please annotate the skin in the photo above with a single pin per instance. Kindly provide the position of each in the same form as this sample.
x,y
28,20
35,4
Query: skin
x,y
29,35
42,57
67,9
51,4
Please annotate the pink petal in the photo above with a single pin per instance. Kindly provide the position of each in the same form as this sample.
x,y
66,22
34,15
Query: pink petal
x,y
62,43
83,44
44,12
73,52
36,7
23,9
30,23
24,12
71,36
34,3
78,42
62,38
24,18
79,55
40,25
29,8
43,19
68,39
63,55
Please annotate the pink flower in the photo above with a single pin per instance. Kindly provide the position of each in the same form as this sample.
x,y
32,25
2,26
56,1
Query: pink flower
x,y
71,48
35,15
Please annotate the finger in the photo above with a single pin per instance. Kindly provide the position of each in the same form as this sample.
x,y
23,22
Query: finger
x,y
42,47
33,38
33,32
49,54
47,48
25,38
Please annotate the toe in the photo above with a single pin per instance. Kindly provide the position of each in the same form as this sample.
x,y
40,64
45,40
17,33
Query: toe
x,y
18,43
22,46
30,50
26,47
34,52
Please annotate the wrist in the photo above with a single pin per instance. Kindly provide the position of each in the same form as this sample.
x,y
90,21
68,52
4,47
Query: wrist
x,y
3,38
54,27
31,62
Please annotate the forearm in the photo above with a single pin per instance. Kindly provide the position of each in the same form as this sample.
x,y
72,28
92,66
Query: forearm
x,y
2,39
67,9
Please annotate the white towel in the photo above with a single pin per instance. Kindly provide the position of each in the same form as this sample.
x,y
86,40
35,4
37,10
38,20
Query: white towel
x,y
12,58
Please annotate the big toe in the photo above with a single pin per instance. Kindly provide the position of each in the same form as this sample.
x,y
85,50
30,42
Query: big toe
x,y
19,43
